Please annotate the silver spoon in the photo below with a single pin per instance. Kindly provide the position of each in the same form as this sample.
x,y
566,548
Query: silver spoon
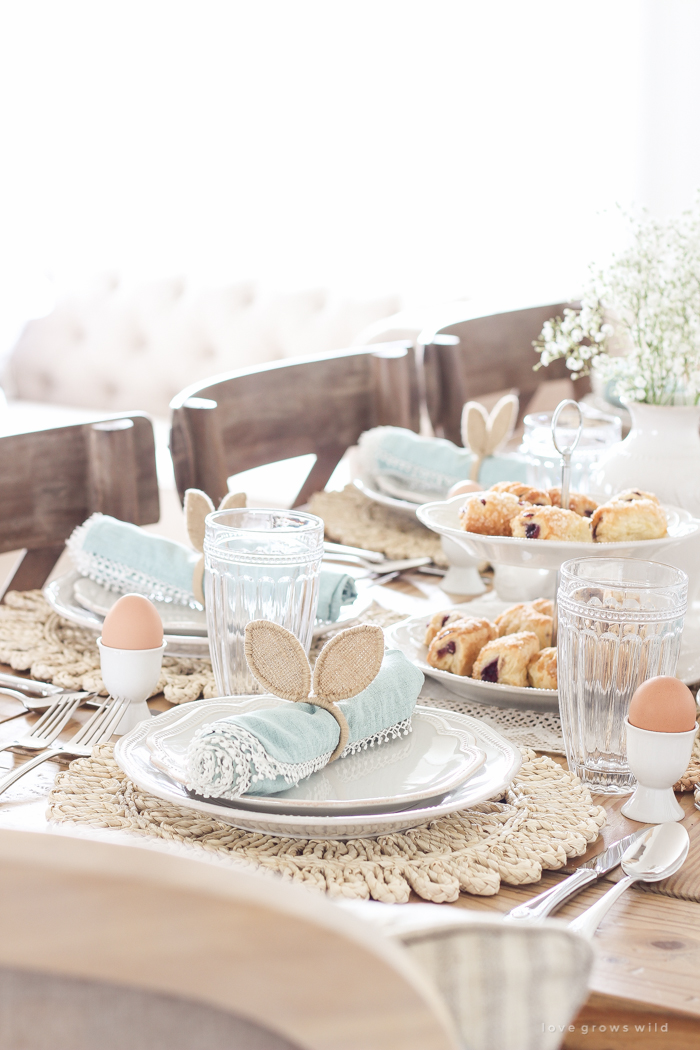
x,y
653,857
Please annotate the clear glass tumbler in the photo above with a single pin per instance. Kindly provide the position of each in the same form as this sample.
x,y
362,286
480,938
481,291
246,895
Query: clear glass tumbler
x,y
258,565
620,622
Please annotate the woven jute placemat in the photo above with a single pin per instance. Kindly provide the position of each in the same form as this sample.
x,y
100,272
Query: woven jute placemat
x,y
546,817
353,519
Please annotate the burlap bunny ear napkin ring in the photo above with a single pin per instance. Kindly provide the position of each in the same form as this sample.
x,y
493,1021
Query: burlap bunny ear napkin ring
x,y
197,506
484,434
344,667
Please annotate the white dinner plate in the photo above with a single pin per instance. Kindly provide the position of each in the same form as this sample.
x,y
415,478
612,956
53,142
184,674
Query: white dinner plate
x,y
443,517
432,760
502,762
408,636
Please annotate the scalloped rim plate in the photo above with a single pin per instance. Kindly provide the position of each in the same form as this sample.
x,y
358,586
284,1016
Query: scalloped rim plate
x,y
434,759
503,760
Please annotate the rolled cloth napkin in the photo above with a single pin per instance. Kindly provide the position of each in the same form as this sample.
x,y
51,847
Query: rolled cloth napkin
x,y
263,752
399,459
124,557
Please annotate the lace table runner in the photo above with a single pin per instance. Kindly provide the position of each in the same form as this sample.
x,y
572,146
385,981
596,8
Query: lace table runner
x,y
546,817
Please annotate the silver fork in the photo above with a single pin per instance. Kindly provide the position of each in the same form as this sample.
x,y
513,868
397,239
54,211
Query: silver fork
x,y
97,730
47,728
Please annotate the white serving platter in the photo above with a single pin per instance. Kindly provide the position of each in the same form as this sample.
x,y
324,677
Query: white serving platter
x,y
443,517
501,764
428,763
408,636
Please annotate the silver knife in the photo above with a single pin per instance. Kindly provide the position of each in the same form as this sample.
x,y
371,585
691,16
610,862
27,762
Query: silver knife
x,y
545,903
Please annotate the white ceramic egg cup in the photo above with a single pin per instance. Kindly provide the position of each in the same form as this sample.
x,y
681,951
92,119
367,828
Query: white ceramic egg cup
x,y
130,674
657,761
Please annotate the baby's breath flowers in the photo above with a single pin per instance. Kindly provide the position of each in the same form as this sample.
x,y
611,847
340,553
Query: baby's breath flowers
x,y
639,322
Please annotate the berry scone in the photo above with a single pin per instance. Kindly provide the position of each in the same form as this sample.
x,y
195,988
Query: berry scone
x,y
456,647
506,660
551,523
542,669
489,513
523,617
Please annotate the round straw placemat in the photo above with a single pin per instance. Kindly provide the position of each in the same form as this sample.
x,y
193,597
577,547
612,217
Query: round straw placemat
x,y
354,519
546,817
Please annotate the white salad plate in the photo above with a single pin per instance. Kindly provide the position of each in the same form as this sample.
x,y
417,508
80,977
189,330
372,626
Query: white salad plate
x,y
67,595
408,636
428,763
86,603
502,762
443,517
377,490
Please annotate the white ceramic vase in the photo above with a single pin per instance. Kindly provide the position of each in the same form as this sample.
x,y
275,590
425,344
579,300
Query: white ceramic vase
x,y
661,454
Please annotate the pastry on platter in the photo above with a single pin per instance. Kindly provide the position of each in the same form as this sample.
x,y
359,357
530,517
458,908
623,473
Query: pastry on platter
x,y
525,493
523,617
440,620
633,494
543,605
542,669
551,523
580,504
506,660
489,513
456,647
638,519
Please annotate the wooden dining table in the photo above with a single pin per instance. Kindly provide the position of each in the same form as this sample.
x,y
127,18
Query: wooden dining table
x,y
645,985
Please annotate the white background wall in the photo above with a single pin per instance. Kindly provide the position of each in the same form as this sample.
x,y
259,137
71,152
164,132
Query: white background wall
x,y
443,148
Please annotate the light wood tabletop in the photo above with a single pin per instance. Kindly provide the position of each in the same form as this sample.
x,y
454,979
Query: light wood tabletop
x,y
644,989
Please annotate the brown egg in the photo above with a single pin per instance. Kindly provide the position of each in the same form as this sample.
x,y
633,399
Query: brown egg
x,y
663,705
464,486
132,623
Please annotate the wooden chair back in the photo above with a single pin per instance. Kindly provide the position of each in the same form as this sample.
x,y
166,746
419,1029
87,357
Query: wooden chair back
x,y
236,959
478,354
52,480
319,405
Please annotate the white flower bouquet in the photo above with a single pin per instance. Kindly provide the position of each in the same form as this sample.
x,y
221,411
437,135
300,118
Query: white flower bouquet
x,y
639,322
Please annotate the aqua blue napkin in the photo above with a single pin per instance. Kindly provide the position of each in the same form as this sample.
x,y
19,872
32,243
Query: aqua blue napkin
x,y
123,557
335,590
429,465
267,751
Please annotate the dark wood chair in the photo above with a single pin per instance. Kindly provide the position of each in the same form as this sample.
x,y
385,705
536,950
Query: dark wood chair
x,y
320,405
480,353
52,480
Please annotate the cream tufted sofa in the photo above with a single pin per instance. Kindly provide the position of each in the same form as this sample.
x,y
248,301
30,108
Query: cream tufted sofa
x,y
120,346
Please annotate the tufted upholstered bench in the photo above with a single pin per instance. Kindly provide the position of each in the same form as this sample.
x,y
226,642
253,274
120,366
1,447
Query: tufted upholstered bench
x,y
125,347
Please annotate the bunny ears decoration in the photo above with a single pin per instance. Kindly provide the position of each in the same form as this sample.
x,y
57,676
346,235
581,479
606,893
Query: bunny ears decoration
x,y
197,506
484,434
345,666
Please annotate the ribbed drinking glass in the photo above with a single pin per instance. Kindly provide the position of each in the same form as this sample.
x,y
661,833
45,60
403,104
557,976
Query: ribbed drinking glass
x,y
258,565
620,622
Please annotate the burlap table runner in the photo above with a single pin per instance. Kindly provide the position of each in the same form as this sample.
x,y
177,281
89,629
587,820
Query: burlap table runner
x,y
547,816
